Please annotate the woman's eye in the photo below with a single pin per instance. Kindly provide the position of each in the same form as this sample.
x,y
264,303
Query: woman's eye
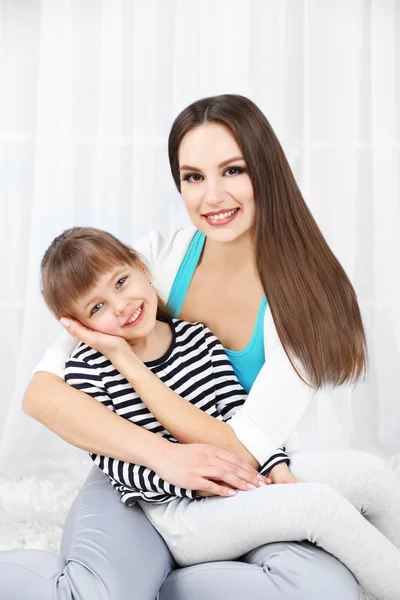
x,y
121,281
193,177
234,171
96,308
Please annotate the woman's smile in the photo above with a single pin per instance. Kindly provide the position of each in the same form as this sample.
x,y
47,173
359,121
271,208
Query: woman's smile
x,y
222,217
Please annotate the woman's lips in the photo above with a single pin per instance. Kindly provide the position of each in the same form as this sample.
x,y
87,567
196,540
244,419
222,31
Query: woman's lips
x,y
220,218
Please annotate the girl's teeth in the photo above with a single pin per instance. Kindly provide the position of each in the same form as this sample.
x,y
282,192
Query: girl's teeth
x,y
222,215
135,315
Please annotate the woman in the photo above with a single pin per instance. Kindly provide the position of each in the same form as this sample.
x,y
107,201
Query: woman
x,y
258,240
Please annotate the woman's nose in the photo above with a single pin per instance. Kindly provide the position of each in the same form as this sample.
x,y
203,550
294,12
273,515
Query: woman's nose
x,y
215,193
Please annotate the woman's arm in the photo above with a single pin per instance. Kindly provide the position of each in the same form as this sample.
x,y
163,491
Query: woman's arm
x,y
83,422
276,403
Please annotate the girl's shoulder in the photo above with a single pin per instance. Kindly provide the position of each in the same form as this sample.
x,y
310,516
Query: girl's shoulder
x,y
83,356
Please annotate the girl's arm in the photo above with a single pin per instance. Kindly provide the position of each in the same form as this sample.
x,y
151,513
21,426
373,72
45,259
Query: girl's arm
x,y
186,422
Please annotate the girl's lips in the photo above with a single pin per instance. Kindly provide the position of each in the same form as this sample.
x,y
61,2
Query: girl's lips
x,y
138,320
219,222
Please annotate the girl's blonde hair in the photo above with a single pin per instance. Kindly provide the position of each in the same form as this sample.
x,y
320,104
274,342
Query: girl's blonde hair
x,y
76,260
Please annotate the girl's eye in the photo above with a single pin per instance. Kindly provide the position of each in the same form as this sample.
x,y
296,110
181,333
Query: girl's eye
x,y
234,171
121,281
96,308
192,177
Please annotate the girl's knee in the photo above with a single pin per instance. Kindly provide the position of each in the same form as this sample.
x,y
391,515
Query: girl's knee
x,y
324,506
366,465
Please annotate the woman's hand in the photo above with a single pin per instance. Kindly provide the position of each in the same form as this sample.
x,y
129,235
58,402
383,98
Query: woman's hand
x,y
108,345
206,468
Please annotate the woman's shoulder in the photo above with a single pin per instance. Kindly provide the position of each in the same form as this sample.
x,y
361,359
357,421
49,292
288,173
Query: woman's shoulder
x,y
162,252
159,244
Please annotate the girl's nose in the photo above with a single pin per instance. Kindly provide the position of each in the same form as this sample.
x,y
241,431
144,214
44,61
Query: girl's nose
x,y
120,307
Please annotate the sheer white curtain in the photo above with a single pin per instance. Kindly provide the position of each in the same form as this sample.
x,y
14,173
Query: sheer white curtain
x,y
88,91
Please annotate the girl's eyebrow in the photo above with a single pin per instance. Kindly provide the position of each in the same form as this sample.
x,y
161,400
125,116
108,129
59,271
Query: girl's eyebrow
x,y
110,279
223,164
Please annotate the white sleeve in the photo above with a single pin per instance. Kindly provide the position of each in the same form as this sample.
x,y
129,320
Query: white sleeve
x,y
54,358
275,404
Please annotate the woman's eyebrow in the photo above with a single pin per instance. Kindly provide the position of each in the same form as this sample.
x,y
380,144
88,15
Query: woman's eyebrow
x,y
223,164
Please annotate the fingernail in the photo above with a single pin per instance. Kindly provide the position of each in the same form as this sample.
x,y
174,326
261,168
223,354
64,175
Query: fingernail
x,y
261,483
65,322
251,486
260,477
232,493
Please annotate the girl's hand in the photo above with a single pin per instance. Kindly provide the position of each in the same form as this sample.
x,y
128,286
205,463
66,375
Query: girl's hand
x,y
282,474
102,342
206,468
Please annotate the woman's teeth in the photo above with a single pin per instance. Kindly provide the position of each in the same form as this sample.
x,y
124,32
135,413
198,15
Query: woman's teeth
x,y
134,316
223,215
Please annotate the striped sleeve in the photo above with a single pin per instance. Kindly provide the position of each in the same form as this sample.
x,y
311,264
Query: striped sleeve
x,y
139,479
85,376
277,458
229,393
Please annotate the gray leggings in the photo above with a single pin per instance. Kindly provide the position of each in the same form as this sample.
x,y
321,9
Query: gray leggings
x,y
111,552
329,510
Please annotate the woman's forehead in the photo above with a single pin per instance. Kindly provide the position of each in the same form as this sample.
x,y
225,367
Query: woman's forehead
x,y
208,143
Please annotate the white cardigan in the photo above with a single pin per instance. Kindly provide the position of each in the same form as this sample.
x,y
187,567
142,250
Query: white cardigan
x,y
278,398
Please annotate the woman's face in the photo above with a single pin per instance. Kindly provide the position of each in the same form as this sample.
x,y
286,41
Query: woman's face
x,y
215,185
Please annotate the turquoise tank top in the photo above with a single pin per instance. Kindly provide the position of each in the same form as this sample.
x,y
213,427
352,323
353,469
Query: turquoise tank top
x,y
247,362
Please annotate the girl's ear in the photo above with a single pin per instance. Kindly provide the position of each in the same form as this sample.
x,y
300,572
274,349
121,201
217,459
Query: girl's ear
x,y
143,269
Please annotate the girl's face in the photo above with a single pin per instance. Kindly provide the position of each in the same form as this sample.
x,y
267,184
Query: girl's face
x,y
215,185
122,303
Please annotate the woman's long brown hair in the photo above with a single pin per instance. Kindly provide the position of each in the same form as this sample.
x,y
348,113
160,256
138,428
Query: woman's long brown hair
x,y
312,301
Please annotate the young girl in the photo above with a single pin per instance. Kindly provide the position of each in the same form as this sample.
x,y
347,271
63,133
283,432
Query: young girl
x,y
91,277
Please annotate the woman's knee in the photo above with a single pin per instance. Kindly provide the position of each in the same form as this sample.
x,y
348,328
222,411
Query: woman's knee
x,y
109,548
303,571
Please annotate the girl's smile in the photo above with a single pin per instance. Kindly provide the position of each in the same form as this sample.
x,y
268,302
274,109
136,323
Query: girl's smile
x,y
121,303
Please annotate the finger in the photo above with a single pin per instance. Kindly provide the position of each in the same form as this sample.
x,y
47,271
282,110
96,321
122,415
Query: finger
x,y
225,475
239,484
74,328
227,456
242,475
215,488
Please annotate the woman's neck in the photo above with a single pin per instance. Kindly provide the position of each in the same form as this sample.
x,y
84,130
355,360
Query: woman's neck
x,y
229,256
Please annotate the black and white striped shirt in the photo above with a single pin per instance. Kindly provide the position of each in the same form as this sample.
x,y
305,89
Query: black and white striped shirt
x,y
195,366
